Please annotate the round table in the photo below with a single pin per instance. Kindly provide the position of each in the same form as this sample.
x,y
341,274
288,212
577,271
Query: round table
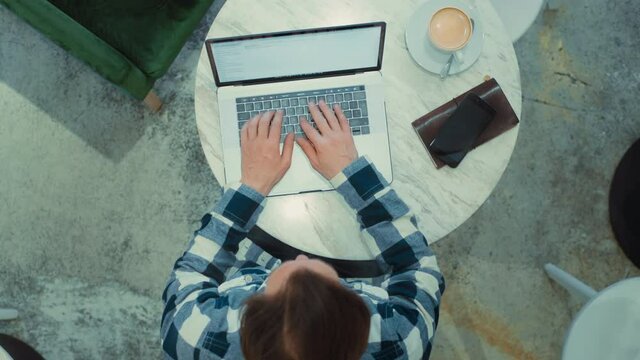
x,y
322,223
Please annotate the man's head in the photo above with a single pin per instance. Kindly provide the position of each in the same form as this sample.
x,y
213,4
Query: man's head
x,y
305,313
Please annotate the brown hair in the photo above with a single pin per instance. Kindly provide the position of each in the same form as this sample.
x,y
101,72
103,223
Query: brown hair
x,y
311,317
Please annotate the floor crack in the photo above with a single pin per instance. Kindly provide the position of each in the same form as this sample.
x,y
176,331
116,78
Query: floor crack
x,y
544,102
572,78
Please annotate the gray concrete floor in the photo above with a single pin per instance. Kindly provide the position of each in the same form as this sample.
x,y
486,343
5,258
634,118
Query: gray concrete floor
x,y
98,196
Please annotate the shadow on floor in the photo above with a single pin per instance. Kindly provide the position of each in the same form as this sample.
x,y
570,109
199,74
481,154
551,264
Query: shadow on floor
x,y
72,94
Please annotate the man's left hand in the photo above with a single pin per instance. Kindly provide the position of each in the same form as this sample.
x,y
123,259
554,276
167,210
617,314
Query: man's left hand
x,y
262,163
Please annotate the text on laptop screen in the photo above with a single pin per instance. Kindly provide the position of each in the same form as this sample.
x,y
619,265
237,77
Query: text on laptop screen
x,y
293,55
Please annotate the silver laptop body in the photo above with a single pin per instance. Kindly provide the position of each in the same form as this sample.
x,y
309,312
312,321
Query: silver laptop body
x,y
284,70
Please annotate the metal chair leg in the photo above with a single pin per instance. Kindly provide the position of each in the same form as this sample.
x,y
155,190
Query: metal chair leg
x,y
8,314
569,282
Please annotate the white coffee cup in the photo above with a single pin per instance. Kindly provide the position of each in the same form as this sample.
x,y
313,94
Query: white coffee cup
x,y
450,29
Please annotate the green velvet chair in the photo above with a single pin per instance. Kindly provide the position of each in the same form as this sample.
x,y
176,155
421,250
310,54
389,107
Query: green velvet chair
x,y
131,43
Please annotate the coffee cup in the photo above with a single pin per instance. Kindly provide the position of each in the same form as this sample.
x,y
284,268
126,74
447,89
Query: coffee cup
x,y
450,30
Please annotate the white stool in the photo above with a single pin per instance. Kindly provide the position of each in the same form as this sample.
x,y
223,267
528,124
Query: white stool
x,y
517,15
608,326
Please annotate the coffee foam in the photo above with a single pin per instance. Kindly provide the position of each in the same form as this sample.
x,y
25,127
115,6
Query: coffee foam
x,y
450,28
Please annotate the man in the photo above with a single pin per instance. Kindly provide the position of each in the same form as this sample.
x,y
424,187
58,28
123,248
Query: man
x,y
227,298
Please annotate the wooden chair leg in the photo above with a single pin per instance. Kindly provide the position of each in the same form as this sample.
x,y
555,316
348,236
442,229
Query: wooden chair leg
x,y
153,102
553,4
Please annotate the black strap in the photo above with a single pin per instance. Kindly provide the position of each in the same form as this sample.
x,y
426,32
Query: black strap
x,y
282,251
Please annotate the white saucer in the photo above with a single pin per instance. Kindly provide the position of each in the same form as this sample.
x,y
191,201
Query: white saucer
x,y
428,56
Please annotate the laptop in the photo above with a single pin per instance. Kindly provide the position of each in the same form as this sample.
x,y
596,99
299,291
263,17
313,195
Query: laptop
x,y
285,70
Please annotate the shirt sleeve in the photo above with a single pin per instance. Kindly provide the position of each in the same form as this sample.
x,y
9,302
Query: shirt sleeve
x,y
415,284
213,254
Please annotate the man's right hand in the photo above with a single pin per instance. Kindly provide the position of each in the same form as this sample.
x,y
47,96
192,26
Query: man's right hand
x,y
330,148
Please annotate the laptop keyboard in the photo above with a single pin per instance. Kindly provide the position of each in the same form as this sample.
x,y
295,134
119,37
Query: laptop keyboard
x,y
352,100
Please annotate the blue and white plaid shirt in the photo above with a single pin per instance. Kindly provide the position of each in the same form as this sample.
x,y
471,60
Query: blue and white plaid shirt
x,y
222,268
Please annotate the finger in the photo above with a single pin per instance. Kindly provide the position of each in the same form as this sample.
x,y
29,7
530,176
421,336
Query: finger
x,y
329,115
263,124
309,131
308,150
344,123
287,150
244,134
276,126
252,127
318,118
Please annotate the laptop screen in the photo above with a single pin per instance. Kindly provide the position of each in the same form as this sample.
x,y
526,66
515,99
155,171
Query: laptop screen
x,y
294,55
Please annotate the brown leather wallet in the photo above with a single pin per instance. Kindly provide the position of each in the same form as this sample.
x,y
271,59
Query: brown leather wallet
x,y
428,126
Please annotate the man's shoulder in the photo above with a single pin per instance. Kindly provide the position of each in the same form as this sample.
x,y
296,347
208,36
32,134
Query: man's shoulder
x,y
370,291
391,335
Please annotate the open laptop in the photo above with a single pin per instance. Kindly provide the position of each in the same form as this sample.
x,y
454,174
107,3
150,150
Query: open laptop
x,y
285,70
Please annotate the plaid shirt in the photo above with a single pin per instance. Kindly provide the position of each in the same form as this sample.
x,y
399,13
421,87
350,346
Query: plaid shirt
x,y
222,268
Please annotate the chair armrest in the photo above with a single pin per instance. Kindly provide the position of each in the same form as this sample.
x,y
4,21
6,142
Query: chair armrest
x,y
171,45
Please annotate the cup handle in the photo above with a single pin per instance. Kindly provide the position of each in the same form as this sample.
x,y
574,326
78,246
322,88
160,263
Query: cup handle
x,y
459,56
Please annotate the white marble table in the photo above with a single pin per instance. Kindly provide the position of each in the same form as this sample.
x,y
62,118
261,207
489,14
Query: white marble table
x,y
321,223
